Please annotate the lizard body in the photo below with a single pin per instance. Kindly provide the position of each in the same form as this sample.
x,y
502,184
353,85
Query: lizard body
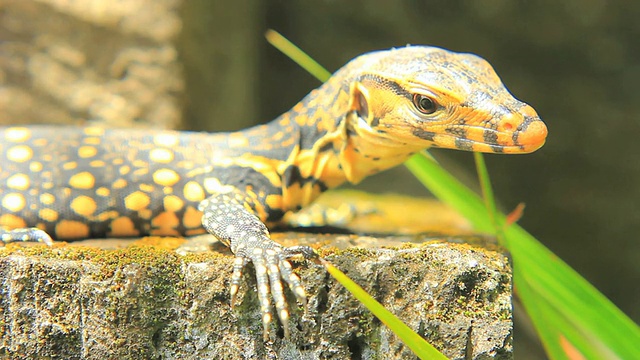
x,y
379,109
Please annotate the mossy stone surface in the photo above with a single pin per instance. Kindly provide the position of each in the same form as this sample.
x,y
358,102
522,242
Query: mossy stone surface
x,y
145,301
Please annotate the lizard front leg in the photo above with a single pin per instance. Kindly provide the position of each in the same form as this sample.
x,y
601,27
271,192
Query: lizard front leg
x,y
230,218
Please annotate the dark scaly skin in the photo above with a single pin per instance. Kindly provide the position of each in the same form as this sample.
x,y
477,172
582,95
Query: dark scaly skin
x,y
375,112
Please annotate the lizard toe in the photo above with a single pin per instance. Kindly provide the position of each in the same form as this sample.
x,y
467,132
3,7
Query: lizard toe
x,y
238,265
277,291
262,282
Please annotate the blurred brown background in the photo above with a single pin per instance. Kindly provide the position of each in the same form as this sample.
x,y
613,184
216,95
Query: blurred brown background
x,y
205,65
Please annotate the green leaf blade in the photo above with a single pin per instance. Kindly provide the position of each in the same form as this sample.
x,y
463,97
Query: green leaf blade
x,y
298,56
415,342
562,304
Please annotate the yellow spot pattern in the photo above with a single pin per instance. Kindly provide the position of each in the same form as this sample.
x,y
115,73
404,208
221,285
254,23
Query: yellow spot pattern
x,y
47,214
82,180
71,229
83,205
17,134
91,140
97,163
107,215
87,151
35,166
14,202
70,165
47,199
145,214
119,184
18,182
146,187
19,153
193,191
123,226
192,218
172,203
165,177
161,155
166,224
11,221
137,201
141,171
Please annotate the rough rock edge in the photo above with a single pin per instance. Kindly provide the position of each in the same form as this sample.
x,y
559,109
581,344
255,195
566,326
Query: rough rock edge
x,y
145,302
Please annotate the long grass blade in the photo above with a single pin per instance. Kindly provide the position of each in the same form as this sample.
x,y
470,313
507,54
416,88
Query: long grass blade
x,y
568,312
415,342
298,56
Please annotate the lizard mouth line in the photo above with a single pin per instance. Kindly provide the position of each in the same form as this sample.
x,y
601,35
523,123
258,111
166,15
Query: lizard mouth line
x,y
470,143
529,138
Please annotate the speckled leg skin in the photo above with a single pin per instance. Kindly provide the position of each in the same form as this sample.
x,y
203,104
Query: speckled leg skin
x,y
231,222
26,234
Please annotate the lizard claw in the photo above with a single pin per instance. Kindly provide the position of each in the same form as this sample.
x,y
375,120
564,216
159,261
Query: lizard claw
x,y
272,267
238,264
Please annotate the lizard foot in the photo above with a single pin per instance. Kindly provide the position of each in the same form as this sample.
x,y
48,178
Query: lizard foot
x,y
271,266
226,217
25,234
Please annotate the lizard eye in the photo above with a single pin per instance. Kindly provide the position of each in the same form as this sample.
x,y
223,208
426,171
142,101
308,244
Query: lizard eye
x,y
424,104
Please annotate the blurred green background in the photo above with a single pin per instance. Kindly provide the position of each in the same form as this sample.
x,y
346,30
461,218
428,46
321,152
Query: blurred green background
x,y
205,65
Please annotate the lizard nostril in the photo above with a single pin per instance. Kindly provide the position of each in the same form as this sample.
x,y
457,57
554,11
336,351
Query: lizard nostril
x,y
508,123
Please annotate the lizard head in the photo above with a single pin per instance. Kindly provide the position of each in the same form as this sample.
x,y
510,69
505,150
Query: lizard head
x,y
420,96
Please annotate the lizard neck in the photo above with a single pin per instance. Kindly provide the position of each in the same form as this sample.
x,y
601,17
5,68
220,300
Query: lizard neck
x,y
365,152
335,145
